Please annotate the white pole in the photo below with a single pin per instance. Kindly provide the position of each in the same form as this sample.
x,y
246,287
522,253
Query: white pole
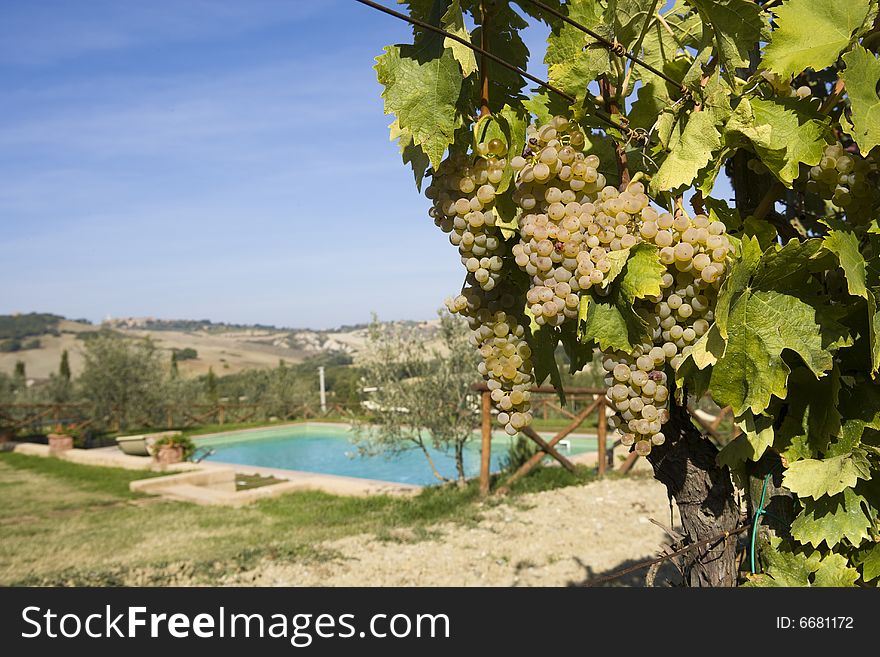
x,y
323,393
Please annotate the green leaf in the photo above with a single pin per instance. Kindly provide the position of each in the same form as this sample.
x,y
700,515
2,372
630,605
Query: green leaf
x,y
812,34
793,137
764,231
627,18
618,262
785,568
423,97
453,21
845,245
643,274
757,436
411,154
874,331
812,415
861,77
760,327
737,25
720,211
574,58
785,268
736,282
689,153
834,570
817,477
709,348
543,341
870,561
832,519
606,323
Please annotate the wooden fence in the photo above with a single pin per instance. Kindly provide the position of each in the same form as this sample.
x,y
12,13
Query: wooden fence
x,y
581,403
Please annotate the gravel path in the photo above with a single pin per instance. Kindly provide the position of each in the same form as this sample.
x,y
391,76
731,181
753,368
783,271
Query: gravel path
x,y
554,538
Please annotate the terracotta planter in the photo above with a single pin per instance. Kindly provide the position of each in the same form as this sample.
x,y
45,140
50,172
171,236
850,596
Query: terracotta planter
x,y
58,443
169,454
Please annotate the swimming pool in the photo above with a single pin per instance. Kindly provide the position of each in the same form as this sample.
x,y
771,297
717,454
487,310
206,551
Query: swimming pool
x,y
327,448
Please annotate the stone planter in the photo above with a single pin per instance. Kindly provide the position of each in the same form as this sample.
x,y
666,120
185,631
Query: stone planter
x,y
169,454
58,443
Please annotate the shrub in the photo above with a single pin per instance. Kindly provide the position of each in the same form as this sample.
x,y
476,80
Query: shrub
x,y
185,442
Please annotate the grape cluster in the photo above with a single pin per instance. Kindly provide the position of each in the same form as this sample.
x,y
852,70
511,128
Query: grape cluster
x,y
570,220
463,193
695,252
499,335
840,177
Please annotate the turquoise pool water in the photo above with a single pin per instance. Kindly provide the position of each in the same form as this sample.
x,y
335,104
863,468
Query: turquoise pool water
x,y
328,449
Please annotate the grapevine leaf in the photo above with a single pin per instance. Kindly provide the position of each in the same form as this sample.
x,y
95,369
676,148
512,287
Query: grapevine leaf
x,y
785,568
832,519
513,125
720,211
709,348
871,563
817,477
609,323
736,282
757,436
423,97
762,230
845,245
689,153
411,154
813,414
737,25
793,138
760,327
543,341
874,330
579,354
453,21
618,262
834,570
861,77
812,34
627,18
643,274
785,268
574,58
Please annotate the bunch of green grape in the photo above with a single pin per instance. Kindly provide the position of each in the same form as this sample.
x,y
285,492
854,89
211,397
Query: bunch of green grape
x,y
556,185
499,335
841,177
463,193
695,252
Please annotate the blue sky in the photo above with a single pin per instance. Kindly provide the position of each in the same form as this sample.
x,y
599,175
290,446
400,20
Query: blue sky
x,y
222,159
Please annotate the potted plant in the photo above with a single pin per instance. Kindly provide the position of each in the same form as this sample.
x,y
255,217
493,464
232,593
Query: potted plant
x,y
60,440
173,449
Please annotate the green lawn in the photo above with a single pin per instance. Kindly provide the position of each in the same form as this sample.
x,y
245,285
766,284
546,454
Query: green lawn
x,y
68,524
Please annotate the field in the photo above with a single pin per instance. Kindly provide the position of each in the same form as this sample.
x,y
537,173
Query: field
x,y
224,351
68,524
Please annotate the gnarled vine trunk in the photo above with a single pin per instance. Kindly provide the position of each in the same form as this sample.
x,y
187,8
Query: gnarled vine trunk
x,y
705,496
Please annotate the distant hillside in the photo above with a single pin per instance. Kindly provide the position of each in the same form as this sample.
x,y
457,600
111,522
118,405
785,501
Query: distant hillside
x,y
204,345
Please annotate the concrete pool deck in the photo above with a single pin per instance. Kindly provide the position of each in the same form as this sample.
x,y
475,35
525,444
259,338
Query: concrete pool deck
x,y
195,482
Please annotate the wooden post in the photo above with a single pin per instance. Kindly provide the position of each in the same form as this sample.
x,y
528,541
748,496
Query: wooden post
x,y
222,414
601,428
486,447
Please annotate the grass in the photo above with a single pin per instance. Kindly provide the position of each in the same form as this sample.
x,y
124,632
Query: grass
x,y
63,523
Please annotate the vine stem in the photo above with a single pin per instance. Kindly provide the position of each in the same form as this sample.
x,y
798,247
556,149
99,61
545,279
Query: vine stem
x,y
484,65
609,97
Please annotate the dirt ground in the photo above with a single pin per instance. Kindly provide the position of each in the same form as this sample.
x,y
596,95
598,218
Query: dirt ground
x,y
553,538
